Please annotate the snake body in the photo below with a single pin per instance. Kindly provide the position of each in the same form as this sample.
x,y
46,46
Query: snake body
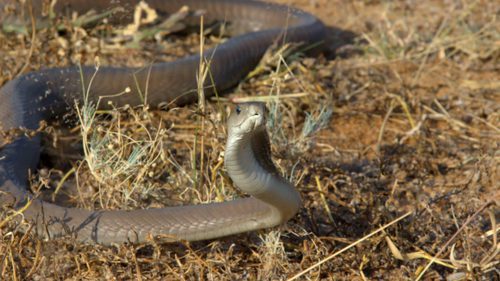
x,y
51,93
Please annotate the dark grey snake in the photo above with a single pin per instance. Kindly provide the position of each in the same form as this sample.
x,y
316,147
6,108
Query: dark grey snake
x,y
50,93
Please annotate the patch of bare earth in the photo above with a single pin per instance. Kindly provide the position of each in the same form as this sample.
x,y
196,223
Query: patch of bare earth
x,y
408,94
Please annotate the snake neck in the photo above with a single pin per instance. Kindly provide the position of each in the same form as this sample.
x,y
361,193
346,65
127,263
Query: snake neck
x,y
248,163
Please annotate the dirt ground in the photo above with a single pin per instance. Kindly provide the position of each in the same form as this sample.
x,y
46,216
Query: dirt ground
x,y
400,116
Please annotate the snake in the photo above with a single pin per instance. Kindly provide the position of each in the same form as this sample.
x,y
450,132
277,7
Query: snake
x,y
49,94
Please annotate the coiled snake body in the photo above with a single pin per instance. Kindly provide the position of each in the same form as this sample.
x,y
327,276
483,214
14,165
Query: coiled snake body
x,y
50,93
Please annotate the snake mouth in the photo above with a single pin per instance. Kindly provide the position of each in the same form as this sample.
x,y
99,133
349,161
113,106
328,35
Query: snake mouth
x,y
253,123
260,122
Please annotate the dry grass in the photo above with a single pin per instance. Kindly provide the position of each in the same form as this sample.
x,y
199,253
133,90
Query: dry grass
x,y
404,121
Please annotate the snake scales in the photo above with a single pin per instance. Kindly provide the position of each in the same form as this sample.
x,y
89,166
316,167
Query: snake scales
x,y
50,93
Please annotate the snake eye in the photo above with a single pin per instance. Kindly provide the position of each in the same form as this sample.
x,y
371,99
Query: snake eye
x,y
238,109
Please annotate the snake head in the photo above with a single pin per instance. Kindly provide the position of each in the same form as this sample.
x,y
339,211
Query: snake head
x,y
246,118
